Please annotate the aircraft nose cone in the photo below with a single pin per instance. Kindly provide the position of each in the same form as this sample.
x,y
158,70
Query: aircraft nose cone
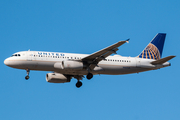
x,y
6,62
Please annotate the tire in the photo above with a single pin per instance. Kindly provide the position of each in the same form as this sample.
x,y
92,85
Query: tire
x,y
89,76
78,84
27,77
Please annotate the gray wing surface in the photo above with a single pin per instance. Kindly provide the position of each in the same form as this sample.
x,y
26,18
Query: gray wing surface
x,y
93,59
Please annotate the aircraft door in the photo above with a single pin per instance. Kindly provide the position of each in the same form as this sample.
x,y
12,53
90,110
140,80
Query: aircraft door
x,y
138,62
29,56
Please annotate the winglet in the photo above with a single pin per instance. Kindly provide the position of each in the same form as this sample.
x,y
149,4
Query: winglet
x,y
127,40
163,60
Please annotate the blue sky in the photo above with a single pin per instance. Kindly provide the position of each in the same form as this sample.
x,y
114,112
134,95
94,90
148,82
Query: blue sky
x,y
85,27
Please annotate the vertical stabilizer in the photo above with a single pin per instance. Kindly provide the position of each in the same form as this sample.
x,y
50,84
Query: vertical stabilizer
x,y
154,48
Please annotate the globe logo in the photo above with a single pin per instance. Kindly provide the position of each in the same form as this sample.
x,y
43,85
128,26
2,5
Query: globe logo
x,y
150,52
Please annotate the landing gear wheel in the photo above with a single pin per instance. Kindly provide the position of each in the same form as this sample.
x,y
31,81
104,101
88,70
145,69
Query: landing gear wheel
x,y
78,84
27,77
89,76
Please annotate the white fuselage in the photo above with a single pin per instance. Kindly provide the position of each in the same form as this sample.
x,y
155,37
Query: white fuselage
x,y
113,65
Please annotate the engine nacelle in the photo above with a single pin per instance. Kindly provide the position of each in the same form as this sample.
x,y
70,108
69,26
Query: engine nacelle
x,y
57,78
69,65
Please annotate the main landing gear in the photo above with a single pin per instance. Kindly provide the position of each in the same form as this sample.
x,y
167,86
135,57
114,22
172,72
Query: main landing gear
x,y
27,76
89,76
78,84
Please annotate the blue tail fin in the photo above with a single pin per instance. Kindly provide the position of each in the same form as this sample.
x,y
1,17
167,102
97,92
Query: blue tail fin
x,y
154,48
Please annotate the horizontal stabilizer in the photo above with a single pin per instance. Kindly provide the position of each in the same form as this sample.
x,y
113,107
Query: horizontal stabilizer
x,y
163,60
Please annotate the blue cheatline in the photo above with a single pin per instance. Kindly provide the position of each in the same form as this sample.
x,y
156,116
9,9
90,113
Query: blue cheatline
x,y
154,48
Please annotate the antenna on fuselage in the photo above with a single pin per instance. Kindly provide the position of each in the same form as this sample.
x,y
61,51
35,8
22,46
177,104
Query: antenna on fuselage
x,y
29,50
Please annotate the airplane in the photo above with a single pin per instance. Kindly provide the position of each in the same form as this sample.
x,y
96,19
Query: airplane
x,y
65,66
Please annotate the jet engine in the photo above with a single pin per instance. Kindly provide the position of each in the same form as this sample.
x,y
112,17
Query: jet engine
x,y
69,65
57,78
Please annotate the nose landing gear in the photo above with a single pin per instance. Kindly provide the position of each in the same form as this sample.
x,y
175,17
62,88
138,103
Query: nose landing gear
x,y
27,76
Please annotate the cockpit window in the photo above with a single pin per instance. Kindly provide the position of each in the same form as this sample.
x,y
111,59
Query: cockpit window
x,y
15,55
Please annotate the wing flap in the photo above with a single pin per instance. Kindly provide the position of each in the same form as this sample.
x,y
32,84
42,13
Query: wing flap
x,y
163,60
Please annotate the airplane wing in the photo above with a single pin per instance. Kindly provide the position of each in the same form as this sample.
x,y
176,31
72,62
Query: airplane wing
x,y
93,59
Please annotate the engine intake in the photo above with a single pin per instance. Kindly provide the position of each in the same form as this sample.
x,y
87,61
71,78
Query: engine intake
x,y
57,78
